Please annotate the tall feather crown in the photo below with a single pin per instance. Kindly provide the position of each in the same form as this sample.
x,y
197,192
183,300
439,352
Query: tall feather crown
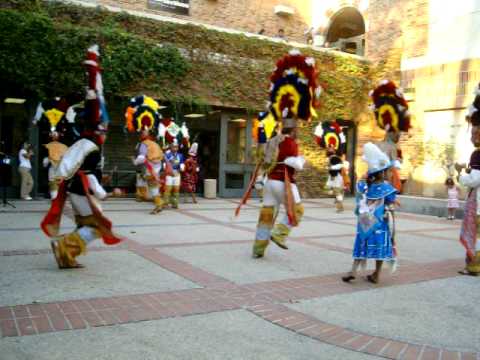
x,y
329,134
390,107
294,91
142,114
95,115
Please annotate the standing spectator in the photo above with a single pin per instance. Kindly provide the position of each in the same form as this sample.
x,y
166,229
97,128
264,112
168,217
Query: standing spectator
x,y
25,169
309,36
190,175
452,192
281,35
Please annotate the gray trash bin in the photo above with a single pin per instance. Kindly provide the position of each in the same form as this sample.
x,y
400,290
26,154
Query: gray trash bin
x,y
210,188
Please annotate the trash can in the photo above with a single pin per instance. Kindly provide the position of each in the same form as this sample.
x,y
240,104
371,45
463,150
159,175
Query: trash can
x,y
210,188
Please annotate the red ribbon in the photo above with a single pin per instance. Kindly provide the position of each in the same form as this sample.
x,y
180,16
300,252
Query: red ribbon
x,y
289,200
248,192
104,224
51,222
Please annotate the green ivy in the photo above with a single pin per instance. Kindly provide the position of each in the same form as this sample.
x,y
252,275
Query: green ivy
x,y
141,55
43,45
45,58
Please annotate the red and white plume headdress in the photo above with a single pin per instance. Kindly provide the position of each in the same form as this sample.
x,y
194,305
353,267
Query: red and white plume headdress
x,y
95,116
329,134
390,107
294,90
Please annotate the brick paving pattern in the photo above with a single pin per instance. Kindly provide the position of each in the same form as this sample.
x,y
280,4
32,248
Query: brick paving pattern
x,y
264,299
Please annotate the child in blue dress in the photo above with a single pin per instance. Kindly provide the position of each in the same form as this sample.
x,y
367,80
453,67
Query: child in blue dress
x,y
375,200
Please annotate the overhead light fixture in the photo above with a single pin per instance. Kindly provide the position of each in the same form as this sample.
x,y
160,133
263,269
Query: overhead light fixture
x,y
160,107
194,116
14,101
238,120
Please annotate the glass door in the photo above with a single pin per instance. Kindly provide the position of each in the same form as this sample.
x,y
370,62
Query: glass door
x,y
236,163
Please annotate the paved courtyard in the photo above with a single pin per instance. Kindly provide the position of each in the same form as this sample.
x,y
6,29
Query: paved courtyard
x,y
182,285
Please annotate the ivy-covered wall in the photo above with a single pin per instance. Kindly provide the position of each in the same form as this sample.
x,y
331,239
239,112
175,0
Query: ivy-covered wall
x,y
43,45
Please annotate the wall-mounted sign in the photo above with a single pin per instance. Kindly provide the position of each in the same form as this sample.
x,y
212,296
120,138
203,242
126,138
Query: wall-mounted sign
x,y
180,7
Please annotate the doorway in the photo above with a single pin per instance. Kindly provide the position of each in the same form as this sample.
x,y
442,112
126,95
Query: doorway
x,y
206,132
236,162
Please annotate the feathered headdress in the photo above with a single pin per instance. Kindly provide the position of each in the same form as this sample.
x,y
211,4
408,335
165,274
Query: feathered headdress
x,y
50,116
169,132
95,116
390,107
473,111
294,91
142,114
261,127
376,159
330,135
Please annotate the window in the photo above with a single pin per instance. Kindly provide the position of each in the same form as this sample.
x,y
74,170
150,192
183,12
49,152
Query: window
x,y
180,7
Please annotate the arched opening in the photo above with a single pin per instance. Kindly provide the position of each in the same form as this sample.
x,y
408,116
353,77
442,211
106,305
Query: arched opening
x,y
347,31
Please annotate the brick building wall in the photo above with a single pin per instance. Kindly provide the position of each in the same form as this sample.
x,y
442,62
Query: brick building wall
x,y
428,47
396,29
243,15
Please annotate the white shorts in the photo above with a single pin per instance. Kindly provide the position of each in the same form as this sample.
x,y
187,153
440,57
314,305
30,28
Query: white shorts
x,y
274,193
335,182
172,180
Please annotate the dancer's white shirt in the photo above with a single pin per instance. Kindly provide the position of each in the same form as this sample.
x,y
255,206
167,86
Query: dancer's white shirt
x,y
80,203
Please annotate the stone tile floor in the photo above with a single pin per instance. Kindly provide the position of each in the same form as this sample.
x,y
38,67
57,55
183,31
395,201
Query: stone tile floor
x,y
182,285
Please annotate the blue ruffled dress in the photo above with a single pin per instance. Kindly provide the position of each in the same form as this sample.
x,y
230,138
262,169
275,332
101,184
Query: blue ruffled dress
x,y
374,236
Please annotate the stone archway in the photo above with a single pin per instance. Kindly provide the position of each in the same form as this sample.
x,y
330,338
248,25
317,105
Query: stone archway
x,y
345,30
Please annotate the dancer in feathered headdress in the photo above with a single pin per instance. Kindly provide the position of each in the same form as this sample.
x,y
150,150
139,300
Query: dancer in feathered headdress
x,y
55,130
142,116
176,137
375,201
330,136
470,178
392,115
190,174
293,97
80,172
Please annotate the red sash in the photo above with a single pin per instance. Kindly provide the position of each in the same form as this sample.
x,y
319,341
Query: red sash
x,y
290,201
468,232
248,192
104,224
151,171
51,222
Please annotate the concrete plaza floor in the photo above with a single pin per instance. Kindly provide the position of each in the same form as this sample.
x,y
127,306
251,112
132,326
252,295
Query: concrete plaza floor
x,y
183,285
